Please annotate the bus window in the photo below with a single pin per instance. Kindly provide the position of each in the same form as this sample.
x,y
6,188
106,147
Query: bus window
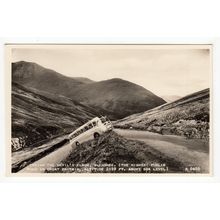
x,y
89,126
86,128
94,123
74,135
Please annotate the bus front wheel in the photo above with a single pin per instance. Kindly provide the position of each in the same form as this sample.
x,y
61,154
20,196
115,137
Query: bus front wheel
x,y
96,135
77,143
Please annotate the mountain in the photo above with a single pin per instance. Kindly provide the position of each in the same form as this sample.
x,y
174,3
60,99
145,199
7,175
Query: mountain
x,y
32,75
115,98
38,117
171,98
188,116
119,96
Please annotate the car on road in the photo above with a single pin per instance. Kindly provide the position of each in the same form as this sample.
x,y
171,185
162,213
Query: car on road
x,y
91,130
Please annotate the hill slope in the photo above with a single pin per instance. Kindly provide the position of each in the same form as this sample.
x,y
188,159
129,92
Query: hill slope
x,y
37,118
115,98
188,116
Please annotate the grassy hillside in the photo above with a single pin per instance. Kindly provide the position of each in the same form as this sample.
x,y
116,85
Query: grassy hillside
x,y
115,98
188,116
37,118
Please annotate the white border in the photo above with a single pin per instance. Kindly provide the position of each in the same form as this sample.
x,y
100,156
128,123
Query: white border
x,y
216,68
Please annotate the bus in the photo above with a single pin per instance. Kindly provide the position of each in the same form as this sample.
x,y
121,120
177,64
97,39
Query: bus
x,y
91,130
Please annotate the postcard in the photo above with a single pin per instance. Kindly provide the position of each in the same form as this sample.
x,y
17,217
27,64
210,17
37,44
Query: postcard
x,y
111,109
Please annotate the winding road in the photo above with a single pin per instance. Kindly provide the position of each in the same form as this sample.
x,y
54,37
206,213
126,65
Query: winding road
x,y
186,151
49,161
190,152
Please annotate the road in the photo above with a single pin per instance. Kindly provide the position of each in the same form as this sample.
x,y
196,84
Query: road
x,y
193,152
186,151
49,161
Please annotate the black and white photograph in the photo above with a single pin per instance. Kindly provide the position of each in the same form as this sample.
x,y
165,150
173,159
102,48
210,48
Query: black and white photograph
x,y
110,109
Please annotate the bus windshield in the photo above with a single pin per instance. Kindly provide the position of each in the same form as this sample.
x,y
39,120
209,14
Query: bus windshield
x,y
103,119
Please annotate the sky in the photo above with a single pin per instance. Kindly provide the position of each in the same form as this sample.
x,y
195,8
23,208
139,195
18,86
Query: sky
x,y
164,70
